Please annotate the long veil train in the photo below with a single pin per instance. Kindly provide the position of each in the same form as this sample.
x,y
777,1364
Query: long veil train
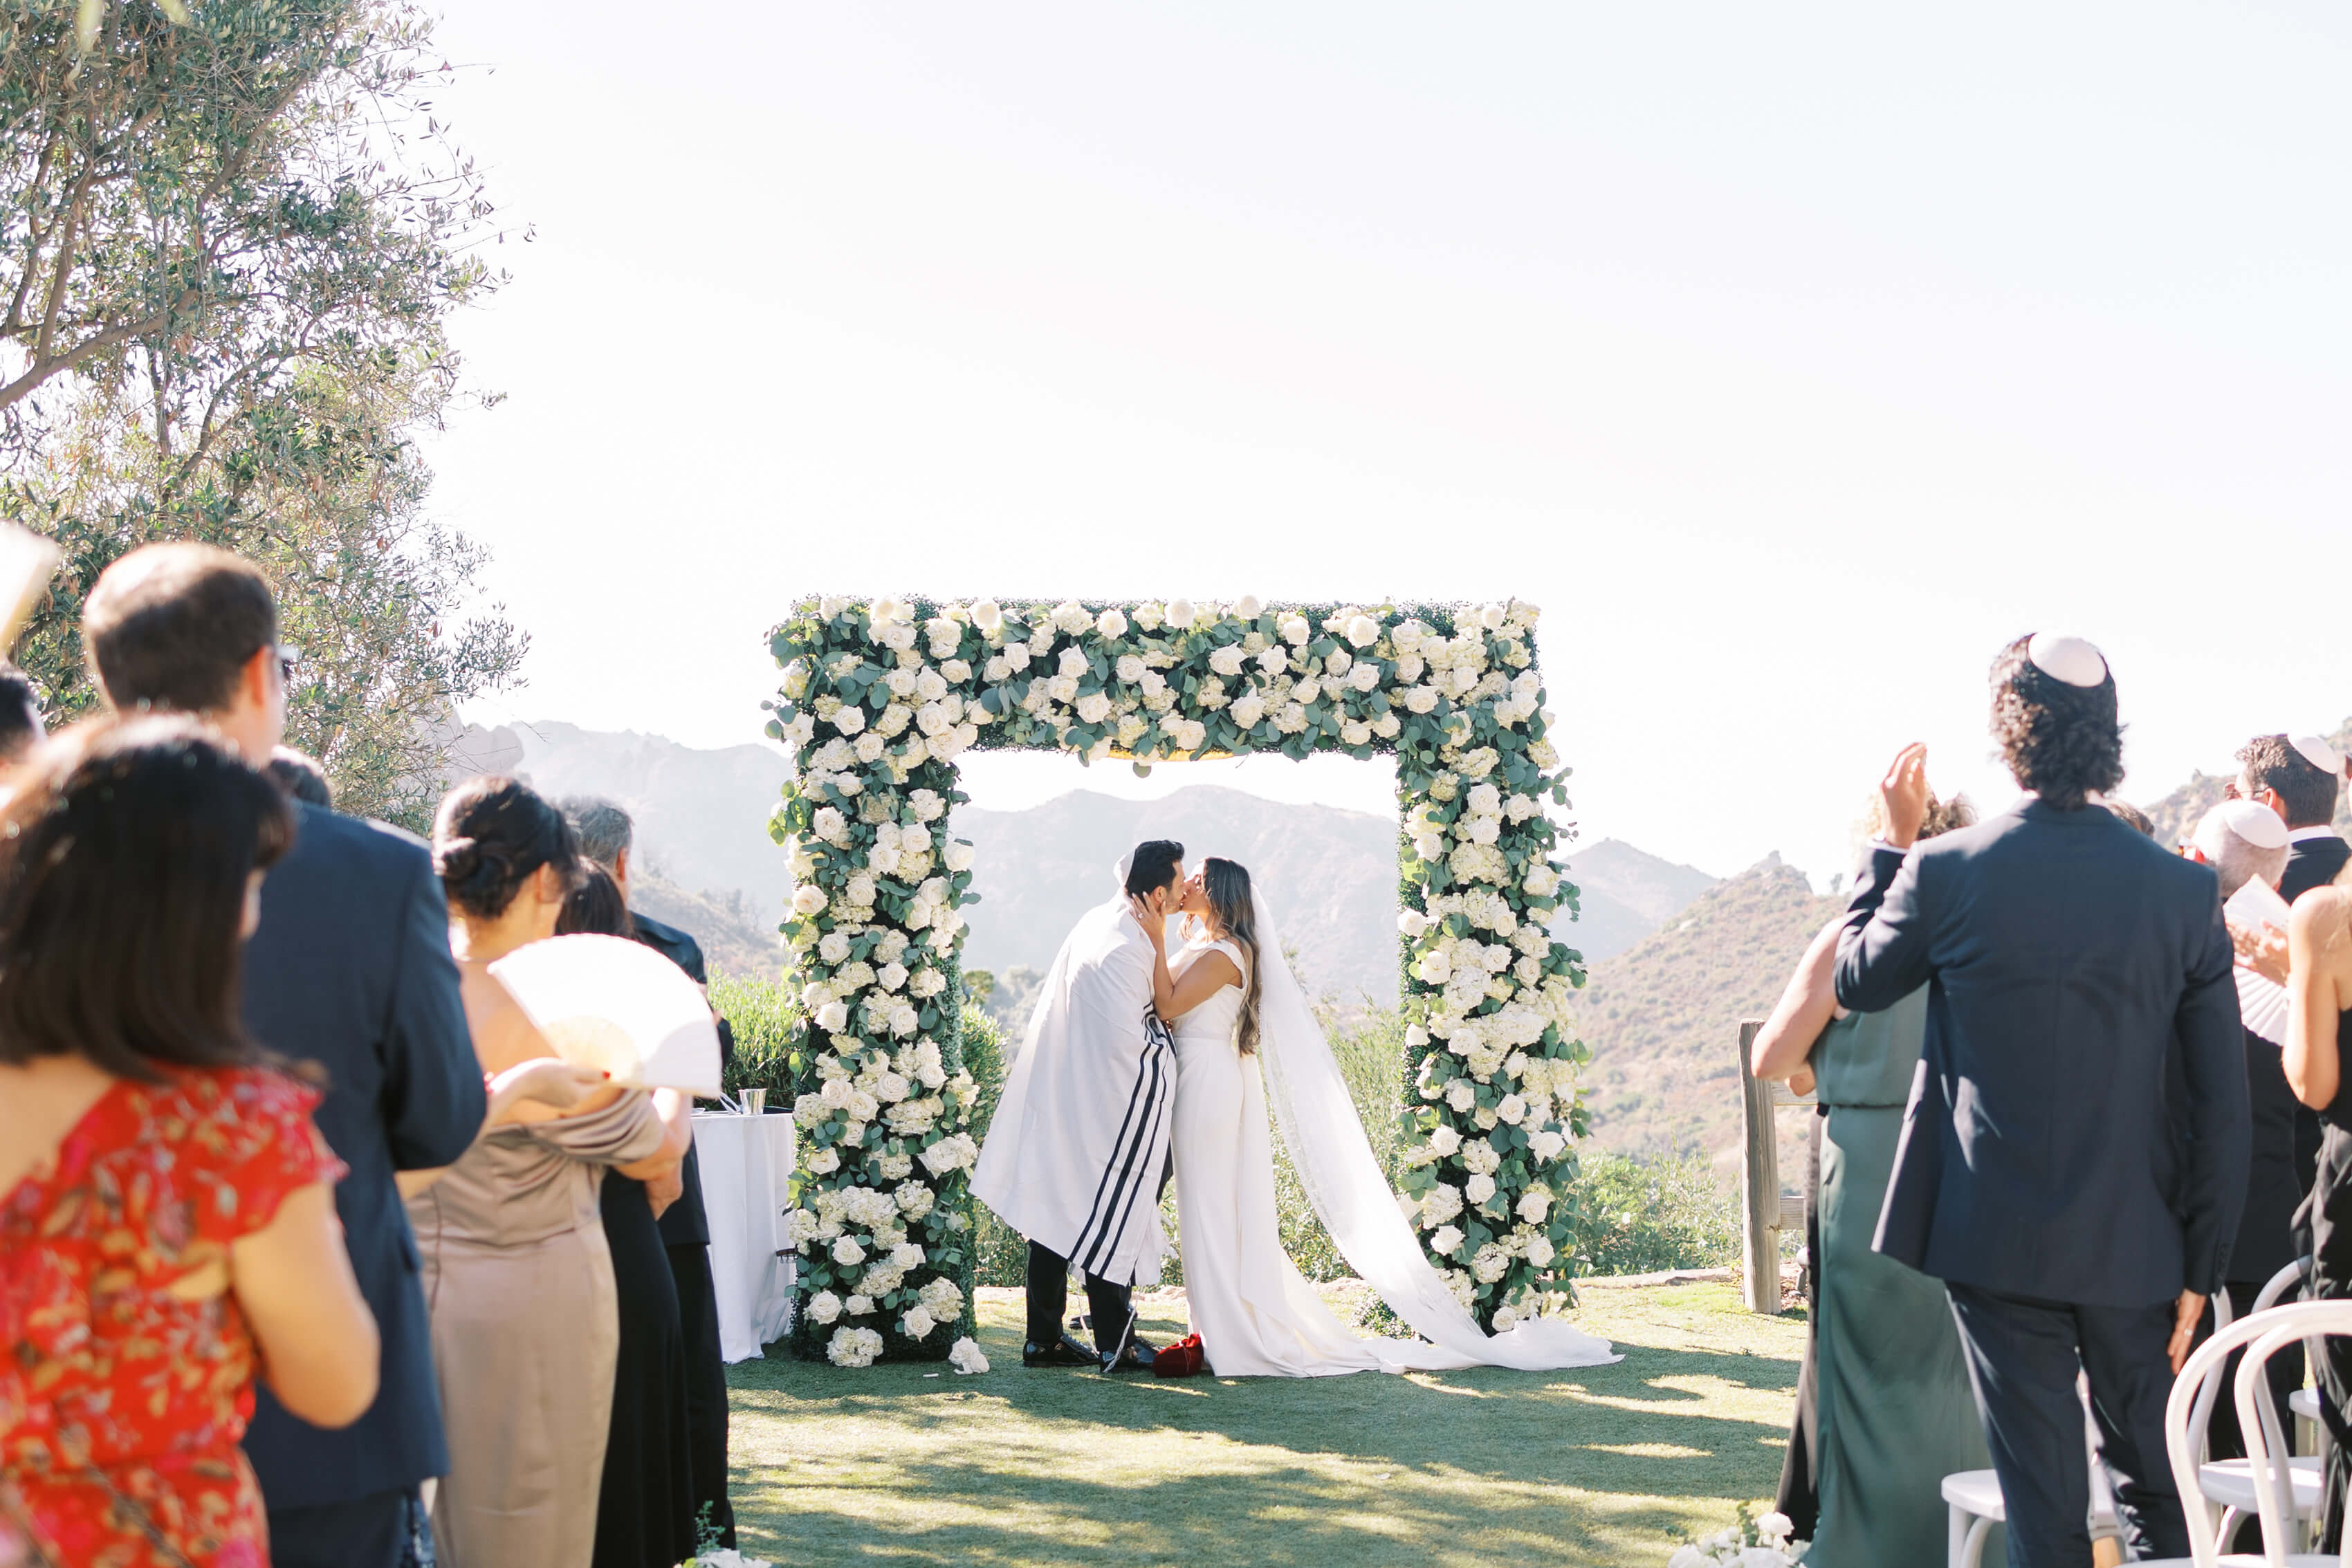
x,y
1326,1138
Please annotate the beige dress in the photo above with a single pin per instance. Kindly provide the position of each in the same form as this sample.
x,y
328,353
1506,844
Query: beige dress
x,y
525,1330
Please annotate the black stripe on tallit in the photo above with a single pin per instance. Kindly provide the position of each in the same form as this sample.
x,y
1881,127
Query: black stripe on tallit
x,y
1133,1137
1135,1098
1126,1192
1163,1052
1113,1191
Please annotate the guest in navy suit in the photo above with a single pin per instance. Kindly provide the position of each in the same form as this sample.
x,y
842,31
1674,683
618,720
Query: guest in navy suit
x,y
350,969
2066,954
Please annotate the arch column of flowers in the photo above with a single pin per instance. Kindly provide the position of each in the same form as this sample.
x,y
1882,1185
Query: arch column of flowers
x,y
879,699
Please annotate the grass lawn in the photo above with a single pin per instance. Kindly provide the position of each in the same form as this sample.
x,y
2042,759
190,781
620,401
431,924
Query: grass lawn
x,y
1596,1465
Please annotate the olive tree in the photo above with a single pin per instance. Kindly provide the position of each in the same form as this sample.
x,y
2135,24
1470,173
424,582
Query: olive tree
x,y
231,234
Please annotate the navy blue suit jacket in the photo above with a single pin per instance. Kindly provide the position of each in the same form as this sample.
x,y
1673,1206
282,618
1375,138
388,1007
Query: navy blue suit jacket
x,y
2065,950
350,969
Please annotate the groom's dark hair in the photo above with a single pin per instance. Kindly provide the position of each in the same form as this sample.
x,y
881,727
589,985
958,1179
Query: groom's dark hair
x,y
1153,865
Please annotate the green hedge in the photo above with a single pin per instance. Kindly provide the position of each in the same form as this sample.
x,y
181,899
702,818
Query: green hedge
x,y
766,1017
1645,1214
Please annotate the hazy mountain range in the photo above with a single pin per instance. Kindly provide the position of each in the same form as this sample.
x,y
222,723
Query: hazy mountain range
x,y
703,859
1677,958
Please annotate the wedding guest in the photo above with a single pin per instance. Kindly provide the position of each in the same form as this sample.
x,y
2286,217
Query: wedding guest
x,y
2299,779
299,774
525,1324
351,968
2245,843
1894,1414
2319,1024
168,1235
645,1507
608,836
2066,955
2132,817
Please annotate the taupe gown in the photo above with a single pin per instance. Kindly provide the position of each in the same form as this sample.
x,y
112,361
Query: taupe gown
x,y
525,1330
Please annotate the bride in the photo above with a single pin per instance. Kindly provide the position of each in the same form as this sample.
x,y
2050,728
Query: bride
x,y
1246,1037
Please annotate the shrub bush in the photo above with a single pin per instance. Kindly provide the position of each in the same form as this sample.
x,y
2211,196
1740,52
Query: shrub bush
x,y
999,1257
1646,1214
765,1016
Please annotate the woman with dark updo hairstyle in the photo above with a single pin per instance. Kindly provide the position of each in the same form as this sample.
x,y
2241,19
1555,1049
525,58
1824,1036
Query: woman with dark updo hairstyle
x,y
168,1235
525,1320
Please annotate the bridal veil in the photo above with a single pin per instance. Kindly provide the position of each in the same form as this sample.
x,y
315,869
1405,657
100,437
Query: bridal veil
x,y
1350,1195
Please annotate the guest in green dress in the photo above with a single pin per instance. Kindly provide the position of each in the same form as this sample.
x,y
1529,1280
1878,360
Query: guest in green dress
x,y
1896,1413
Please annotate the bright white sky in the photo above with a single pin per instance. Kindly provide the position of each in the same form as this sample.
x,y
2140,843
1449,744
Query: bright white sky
x,y
1792,358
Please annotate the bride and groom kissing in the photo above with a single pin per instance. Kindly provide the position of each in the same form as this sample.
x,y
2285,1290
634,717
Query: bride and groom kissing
x,y
1140,1065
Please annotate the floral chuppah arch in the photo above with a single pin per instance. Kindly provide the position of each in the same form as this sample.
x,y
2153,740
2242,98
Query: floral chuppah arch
x,y
878,700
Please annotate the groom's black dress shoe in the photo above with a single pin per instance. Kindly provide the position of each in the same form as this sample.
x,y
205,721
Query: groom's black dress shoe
x,y
1063,1352
1130,1354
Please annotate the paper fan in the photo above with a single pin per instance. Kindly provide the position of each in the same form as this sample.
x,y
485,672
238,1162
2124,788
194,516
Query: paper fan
x,y
610,1003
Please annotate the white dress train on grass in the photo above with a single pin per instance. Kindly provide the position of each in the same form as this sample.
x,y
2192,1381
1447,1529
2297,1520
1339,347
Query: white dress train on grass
x,y
1255,1313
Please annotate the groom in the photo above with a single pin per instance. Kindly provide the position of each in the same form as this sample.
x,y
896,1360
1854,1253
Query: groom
x,y
1075,1156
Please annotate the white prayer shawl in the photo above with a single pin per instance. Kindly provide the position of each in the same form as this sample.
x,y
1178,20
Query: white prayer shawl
x,y
1074,1154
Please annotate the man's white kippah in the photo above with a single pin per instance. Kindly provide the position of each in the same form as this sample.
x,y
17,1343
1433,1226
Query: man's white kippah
x,y
2256,824
2319,754
2067,659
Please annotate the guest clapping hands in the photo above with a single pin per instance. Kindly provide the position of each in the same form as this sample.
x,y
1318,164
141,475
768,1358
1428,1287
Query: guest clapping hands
x,y
2067,956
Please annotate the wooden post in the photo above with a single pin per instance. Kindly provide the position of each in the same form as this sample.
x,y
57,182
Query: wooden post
x,y
1759,1184
1766,1210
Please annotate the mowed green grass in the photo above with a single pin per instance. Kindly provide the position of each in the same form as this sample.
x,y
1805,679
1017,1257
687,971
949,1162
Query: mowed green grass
x,y
1596,1465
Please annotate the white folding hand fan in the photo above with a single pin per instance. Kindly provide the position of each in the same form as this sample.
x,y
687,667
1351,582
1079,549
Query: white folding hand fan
x,y
610,1003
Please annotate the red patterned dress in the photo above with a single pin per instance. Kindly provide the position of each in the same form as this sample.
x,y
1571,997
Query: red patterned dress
x,y
122,1407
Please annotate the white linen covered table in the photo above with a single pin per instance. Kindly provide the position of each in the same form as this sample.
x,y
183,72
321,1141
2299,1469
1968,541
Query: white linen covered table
x,y
747,1165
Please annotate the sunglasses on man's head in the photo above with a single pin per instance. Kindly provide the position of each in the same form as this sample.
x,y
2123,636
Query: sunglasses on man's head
x,y
289,658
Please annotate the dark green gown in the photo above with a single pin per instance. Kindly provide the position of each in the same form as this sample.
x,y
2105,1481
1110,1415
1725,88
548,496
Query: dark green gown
x,y
1897,1413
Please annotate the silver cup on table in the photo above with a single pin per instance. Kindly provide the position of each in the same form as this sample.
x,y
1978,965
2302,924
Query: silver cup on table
x,y
755,1102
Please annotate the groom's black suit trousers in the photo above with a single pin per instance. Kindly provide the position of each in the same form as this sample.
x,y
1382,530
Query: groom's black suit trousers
x,y
1049,1292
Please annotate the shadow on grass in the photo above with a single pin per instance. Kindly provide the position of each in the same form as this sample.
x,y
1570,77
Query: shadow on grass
x,y
1585,1465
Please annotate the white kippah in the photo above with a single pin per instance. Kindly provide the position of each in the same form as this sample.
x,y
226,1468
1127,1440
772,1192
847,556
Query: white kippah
x,y
2319,754
2255,824
2067,659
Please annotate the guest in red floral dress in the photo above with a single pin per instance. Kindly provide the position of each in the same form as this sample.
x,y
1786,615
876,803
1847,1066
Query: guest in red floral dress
x,y
167,1222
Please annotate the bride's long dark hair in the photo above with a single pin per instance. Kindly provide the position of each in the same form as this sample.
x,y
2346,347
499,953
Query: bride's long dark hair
x,y
1231,910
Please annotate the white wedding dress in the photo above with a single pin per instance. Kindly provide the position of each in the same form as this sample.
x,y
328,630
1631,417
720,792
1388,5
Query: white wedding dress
x,y
1255,1313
